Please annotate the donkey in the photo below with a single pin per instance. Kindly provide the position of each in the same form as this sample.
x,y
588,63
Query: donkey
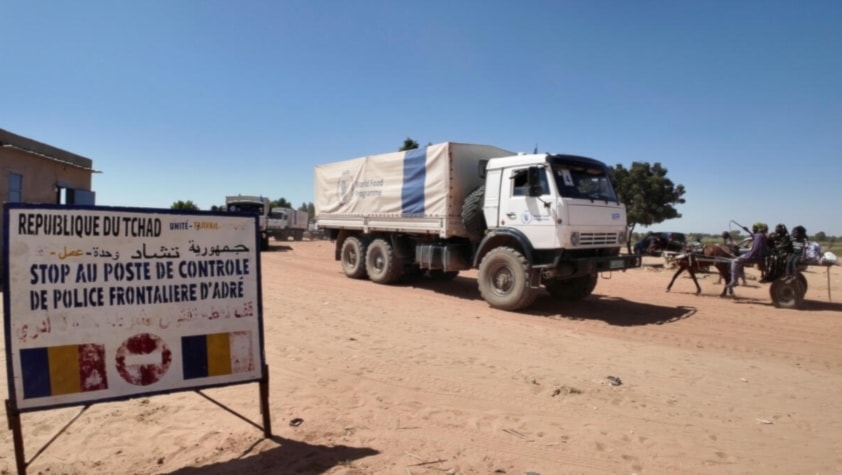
x,y
717,255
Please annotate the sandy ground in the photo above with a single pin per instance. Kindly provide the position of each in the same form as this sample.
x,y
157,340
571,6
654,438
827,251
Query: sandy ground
x,y
425,378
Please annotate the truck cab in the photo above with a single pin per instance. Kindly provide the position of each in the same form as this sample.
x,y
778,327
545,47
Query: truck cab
x,y
558,202
255,206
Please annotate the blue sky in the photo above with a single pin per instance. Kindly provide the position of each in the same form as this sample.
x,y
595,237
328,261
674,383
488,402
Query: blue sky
x,y
194,100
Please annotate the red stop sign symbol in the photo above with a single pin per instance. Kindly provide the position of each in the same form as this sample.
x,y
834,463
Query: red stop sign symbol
x,y
143,359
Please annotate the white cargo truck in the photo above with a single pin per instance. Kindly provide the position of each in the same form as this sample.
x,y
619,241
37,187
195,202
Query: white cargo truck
x,y
293,223
525,221
254,205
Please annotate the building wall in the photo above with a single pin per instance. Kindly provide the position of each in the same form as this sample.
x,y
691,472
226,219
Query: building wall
x,y
42,176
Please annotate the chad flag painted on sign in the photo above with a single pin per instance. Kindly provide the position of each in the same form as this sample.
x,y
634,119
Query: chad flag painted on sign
x,y
217,354
66,369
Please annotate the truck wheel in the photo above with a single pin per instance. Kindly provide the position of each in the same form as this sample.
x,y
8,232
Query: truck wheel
x,y
472,215
571,289
503,279
264,243
787,294
298,236
352,256
382,264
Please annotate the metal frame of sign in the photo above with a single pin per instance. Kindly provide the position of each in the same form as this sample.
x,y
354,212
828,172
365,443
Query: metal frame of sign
x,y
113,303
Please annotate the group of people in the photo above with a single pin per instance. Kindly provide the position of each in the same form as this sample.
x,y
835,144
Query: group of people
x,y
792,246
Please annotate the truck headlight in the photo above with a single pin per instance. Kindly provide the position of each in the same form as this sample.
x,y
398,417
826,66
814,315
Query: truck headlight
x,y
574,238
621,237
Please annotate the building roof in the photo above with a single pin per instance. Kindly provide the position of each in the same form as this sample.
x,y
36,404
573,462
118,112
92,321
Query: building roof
x,y
17,142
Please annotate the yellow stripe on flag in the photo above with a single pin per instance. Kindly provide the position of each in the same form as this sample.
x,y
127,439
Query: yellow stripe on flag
x,y
219,354
64,369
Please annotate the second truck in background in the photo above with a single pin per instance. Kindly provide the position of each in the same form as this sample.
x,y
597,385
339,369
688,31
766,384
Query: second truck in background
x,y
288,223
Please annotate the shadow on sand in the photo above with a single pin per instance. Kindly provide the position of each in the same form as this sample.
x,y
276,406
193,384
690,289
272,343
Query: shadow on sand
x,y
611,310
290,456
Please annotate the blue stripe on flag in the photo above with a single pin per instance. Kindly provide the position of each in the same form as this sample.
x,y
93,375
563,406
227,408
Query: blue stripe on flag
x,y
194,356
414,176
35,366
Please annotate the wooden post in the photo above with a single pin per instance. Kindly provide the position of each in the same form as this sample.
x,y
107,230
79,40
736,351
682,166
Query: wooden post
x,y
264,402
828,284
13,415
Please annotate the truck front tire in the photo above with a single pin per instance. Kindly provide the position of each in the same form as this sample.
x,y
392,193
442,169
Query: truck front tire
x,y
382,264
572,289
352,256
503,279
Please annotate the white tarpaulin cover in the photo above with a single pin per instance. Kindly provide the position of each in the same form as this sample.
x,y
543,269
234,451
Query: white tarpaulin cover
x,y
419,184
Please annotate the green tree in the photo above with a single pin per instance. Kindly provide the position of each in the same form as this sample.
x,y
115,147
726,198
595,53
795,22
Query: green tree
x,y
648,194
309,208
184,205
408,144
280,203
820,236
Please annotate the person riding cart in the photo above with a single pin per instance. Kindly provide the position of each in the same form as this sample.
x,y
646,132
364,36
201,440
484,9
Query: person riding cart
x,y
755,255
798,249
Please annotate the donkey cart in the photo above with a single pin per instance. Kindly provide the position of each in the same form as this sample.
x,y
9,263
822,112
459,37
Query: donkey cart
x,y
785,291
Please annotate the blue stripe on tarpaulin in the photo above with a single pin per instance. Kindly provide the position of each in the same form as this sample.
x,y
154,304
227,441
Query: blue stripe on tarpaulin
x,y
414,176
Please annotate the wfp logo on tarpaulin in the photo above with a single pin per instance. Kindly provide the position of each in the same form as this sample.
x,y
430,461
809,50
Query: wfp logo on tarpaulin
x,y
615,216
344,187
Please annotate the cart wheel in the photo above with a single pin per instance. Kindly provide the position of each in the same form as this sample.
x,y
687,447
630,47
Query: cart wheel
x,y
787,294
803,281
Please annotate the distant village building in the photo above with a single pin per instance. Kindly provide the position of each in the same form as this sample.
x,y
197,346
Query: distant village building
x,y
34,172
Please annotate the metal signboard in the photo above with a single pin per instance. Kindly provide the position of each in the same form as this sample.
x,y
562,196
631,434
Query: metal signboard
x,y
105,303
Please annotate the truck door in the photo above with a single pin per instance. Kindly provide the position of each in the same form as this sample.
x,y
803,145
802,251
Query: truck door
x,y
532,215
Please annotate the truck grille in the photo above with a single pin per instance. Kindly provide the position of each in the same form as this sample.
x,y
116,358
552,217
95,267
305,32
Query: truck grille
x,y
597,239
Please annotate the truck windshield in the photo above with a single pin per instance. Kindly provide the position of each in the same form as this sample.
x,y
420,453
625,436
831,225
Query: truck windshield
x,y
583,181
248,208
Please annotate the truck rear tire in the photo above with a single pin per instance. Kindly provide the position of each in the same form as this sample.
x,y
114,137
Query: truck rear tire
x,y
382,264
472,215
503,279
572,289
352,257
264,243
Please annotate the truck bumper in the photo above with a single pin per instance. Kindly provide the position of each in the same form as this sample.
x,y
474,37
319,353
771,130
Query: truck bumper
x,y
589,265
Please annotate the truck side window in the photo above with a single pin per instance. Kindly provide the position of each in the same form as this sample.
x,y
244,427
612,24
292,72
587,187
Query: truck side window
x,y
520,185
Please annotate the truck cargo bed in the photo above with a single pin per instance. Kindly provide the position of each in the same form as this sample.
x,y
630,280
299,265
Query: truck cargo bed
x,y
402,191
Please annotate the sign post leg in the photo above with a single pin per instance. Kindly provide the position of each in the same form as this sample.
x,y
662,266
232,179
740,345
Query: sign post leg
x,y
13,415
264,402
